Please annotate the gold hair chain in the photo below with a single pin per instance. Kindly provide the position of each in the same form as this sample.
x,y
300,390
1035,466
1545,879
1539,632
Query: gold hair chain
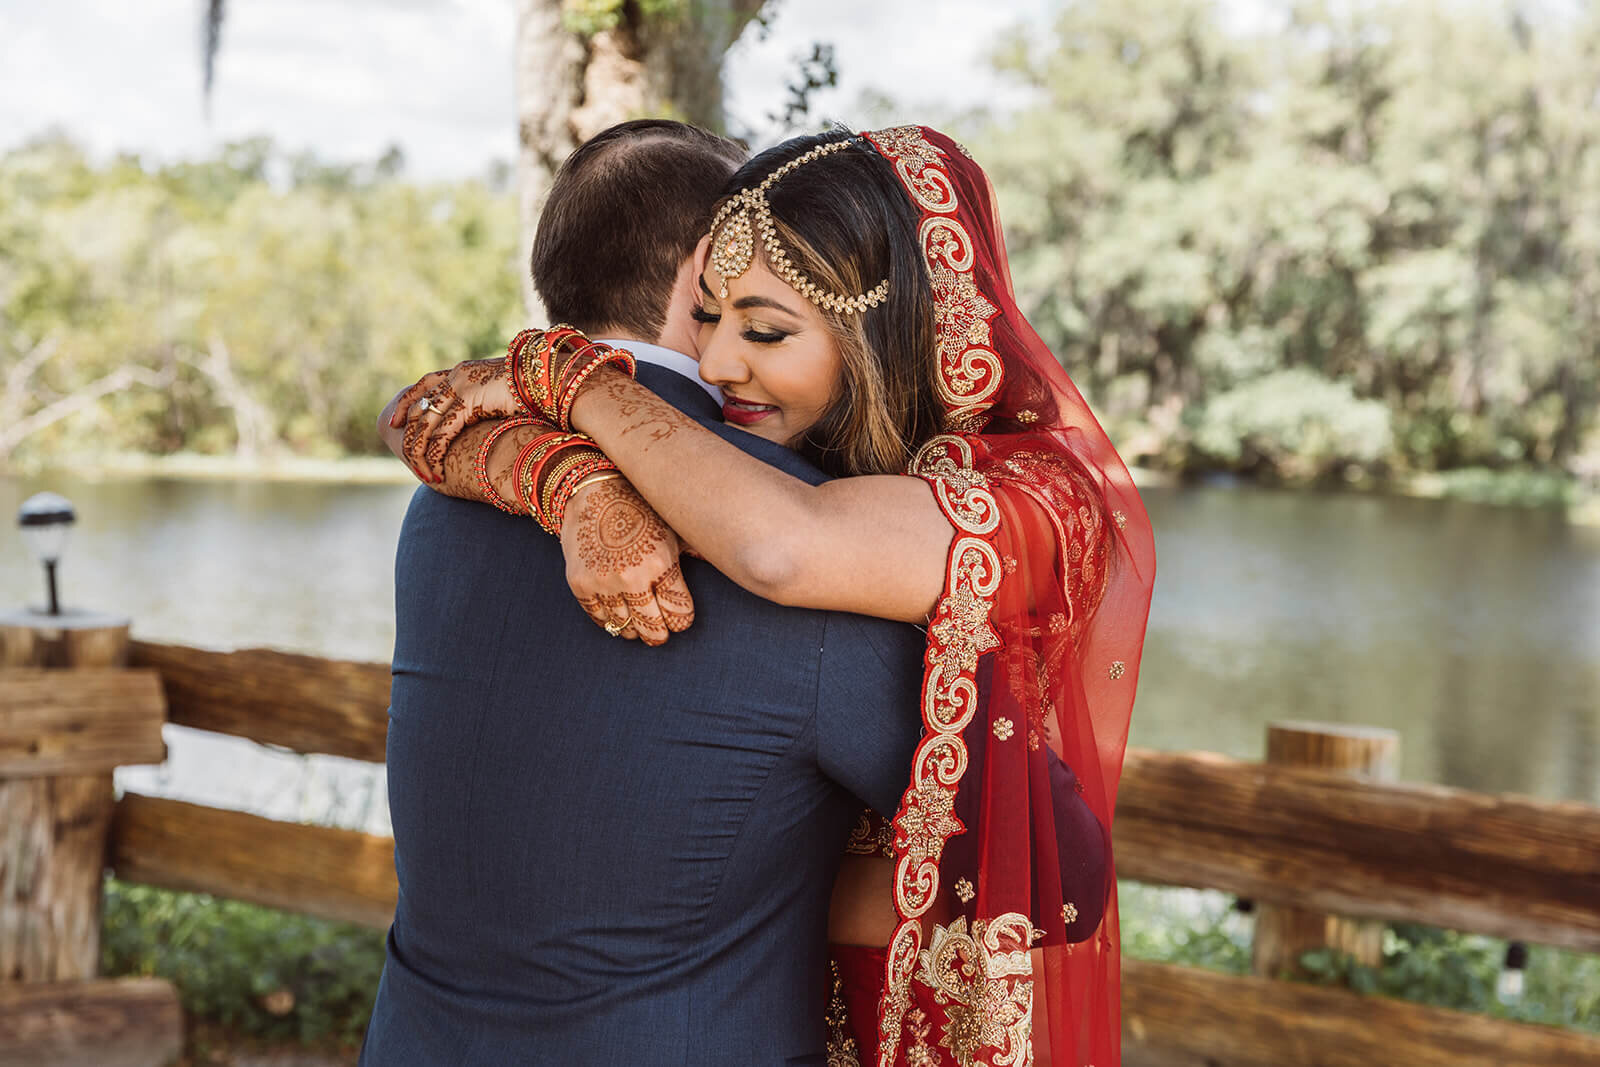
x,y
746,213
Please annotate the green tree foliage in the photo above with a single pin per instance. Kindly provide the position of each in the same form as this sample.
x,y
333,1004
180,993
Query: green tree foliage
x,y
1365,244
256,301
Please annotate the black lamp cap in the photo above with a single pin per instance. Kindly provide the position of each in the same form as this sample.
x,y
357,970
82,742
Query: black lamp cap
x,y
46,509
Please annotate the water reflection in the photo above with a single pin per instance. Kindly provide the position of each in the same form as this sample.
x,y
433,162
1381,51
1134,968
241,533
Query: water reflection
x,y
1474,631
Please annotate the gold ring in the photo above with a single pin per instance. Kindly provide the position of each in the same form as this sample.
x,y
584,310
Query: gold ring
x,y
615,628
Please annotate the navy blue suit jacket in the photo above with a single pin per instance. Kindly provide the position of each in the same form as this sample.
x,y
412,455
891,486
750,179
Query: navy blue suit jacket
x,y
614,854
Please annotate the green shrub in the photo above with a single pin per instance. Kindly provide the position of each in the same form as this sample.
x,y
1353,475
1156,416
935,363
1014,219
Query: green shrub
x,y
234,963
1443,968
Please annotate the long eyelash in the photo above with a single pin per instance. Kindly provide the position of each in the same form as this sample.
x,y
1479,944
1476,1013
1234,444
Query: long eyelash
x,y
700,314
763,338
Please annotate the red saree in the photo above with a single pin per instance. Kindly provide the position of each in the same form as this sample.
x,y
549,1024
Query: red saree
x,y
1007,950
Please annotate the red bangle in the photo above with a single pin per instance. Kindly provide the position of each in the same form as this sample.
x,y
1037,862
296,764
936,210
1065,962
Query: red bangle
x,y
531,452
561,496
480,464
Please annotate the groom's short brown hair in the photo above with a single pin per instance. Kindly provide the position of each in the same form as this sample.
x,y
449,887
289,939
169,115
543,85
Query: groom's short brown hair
x,y
624,212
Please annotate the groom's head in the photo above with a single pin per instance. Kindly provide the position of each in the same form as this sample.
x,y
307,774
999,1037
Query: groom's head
x,y
622,218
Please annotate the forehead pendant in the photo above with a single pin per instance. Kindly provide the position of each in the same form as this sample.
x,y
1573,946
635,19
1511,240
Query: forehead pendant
x,y
745,215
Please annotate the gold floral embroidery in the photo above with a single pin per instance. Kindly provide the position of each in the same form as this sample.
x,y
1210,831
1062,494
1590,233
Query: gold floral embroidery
x,y
1069,913
919,165
842,1048
1003,729
984,980
1118,669
1120,519
872,835
945,463
1027,417
926,821
962,631
963,314
1009,563
965,891
970,374
991,1024
919,1053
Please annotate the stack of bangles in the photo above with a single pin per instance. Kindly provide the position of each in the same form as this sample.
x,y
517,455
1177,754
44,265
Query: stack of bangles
x,y
548,471
546,369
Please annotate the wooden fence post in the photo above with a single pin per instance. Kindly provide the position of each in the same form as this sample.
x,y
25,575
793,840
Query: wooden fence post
x,y
1283,933
68,716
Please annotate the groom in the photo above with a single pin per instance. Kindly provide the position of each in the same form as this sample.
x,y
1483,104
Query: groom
x,y
609,853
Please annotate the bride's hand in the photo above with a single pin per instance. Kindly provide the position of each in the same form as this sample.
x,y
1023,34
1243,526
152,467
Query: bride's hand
x,y
622,564
434,411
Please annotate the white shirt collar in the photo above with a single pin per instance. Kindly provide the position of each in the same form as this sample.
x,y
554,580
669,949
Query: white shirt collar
x,y
669,358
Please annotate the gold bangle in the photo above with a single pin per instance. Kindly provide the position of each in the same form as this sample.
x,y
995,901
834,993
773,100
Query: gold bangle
x,y
552,479
595,479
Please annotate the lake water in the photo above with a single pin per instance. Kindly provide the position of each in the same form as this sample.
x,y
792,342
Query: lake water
x,y
1474,631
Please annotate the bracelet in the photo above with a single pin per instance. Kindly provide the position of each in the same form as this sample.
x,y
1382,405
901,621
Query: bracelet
x,y
584,474
552,481
480,463
522,471
596,478
513,357
545,379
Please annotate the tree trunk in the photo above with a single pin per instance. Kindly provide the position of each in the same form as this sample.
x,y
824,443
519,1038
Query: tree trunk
x,y
570,87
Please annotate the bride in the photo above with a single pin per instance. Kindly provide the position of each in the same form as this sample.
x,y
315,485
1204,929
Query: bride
x,y
977,495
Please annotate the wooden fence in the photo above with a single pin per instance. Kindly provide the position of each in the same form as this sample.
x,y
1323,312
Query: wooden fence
x,y
1505,866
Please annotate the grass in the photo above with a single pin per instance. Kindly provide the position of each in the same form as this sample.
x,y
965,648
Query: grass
x,y
251,974
1423,964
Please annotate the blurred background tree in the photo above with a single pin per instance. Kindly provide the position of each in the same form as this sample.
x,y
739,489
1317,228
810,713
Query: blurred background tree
x,y
275,299
584,65
1367,246
1338,250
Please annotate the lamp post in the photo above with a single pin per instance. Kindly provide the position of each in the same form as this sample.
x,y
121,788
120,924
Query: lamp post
x,y
45,519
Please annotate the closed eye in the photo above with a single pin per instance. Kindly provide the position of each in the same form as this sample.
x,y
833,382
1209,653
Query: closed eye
x,y
700,314
760,338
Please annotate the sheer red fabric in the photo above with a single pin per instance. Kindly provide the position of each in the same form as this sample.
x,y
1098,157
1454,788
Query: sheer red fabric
x,y
1007,949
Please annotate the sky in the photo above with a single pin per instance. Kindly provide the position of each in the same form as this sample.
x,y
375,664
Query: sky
x,y
348,78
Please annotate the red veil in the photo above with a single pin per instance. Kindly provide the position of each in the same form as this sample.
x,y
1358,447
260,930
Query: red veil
x,y
1008,942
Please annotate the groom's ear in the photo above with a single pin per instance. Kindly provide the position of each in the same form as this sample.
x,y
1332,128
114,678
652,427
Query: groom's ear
x,y
681,332
702,256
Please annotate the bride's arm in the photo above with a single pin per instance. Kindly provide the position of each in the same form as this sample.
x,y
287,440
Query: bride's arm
x,y
622,561
875,545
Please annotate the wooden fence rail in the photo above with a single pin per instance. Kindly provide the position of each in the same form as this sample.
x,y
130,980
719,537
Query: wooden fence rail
x,y
1506,866
304,703
315,870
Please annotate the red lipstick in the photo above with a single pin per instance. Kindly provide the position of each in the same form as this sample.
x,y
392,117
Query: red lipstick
x,y
743,412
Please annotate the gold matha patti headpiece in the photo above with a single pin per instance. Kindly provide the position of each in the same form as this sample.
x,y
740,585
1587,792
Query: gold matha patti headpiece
x,y
746,216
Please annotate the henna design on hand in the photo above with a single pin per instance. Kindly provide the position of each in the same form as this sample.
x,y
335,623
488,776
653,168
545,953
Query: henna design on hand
x,y
413,434
673,600
617,530
435,453
443,397
478,372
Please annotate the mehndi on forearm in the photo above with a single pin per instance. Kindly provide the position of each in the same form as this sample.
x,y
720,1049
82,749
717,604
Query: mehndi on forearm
x,y
523,467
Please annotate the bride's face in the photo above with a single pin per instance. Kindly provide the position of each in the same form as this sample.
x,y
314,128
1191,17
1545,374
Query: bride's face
x,y
769,350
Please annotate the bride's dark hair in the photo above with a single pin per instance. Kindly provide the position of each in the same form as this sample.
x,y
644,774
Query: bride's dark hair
x,y
847,224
